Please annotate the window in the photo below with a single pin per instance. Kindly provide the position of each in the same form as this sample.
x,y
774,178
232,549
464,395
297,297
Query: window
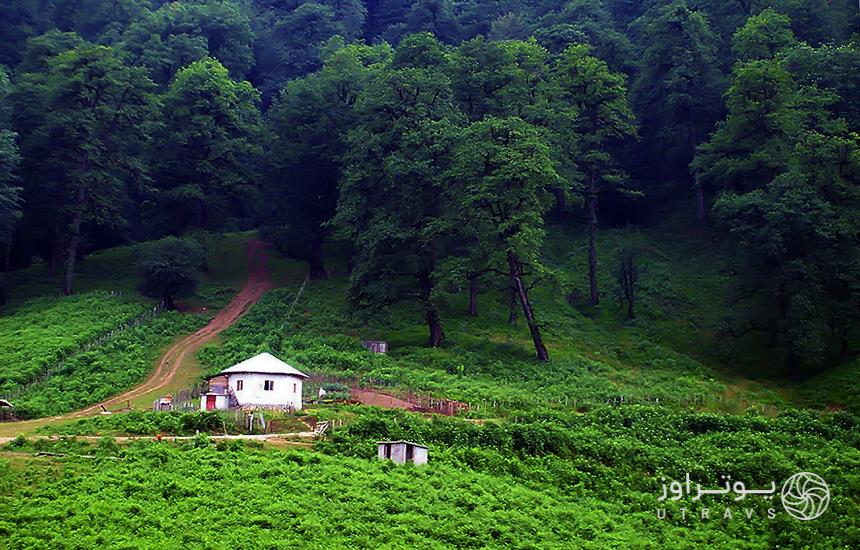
x,y
294,388
239,385
269,385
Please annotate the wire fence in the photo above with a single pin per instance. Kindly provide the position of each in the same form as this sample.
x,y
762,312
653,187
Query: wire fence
x,y
425,400
60,364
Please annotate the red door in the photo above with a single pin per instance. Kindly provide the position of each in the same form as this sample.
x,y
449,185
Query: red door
x,y
210,402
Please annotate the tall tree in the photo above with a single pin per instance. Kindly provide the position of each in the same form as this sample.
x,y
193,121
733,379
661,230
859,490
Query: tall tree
x,y
206,153
383,13
433,16
600,116
788,173
763,36
391,203
677,92
753,143
95,118
584,22
309,123
292,44
832,68
495,79
10,201
503,179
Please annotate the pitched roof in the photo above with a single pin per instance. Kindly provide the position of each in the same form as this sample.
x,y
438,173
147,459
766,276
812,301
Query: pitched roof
x,y
265,363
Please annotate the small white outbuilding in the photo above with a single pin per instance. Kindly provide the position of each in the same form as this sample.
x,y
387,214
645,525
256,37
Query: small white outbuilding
x,y
401,452
261,382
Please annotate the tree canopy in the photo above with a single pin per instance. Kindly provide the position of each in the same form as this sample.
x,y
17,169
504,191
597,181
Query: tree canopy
x,y
429,144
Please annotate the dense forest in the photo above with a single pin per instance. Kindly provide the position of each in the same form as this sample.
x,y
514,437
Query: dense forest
x,y
432,141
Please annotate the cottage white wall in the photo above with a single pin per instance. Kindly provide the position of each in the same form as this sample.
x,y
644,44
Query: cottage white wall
x,y
252,392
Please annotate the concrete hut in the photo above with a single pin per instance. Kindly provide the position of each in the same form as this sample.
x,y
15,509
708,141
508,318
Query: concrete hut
x,y
401,452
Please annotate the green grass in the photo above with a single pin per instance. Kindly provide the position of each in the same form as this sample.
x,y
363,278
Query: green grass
x,y
149,423
583,481
837,388
115,269
93,376
547,457
39,333
484,359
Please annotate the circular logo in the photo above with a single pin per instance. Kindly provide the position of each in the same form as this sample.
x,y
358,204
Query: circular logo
x,y
805,496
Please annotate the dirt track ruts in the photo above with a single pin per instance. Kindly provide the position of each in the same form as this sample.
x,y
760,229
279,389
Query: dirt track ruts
x,y
257,285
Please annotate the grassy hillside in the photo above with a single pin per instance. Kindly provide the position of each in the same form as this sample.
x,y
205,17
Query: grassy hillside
x,y
115,269
670,352
38,334
584,481
567,454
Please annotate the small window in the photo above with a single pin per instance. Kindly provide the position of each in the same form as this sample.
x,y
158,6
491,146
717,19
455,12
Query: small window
x,y
269,385
239,385
294,388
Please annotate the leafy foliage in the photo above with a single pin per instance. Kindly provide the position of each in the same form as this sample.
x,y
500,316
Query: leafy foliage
x,y
92,376
170,268
37,334
206,152
544,480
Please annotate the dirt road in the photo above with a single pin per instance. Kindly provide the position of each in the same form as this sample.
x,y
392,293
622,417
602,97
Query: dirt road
x,y
257,285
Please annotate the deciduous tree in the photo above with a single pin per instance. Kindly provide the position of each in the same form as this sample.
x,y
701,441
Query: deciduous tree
x,y
170,268
502,181
206,153
309,123
391,204
95,117
599,116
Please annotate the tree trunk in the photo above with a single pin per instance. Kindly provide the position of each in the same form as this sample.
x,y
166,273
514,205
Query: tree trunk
x,y
315,259
201,214
78,219
700,203
516,278
435,326
473,295
592,241
431,312
700,198
795,372
56,250
560,202
512,308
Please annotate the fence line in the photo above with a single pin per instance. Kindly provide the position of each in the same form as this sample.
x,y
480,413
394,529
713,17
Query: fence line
x,y
61,363
295,301
426,399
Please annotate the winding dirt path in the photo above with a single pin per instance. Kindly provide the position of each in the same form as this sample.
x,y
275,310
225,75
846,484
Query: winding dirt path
x,y
170,363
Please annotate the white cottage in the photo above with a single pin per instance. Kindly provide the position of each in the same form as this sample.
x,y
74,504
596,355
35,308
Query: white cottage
x,y
263,382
